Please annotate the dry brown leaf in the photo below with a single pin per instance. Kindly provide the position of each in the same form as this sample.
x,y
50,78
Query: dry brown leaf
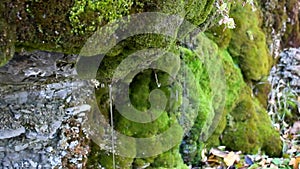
x,y
296,163
231,158
213,160
292,161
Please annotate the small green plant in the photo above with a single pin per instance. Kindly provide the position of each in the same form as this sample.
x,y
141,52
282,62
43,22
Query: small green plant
x,y
284,104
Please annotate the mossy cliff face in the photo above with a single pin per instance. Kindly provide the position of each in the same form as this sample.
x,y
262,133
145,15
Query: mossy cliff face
x,y
245,54
64,26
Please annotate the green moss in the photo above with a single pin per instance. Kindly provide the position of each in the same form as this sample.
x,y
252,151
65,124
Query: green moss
x,y
87,15
234,79
234,85
261,91
248,43
44,25
271,142
198,11
197,82
251,128
193,142
220,35
99,158
7,34
169,159
67,28
64,26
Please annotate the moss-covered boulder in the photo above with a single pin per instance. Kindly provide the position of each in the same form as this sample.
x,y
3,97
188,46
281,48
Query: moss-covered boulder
x,y
248,43
234,86
249,128
190,99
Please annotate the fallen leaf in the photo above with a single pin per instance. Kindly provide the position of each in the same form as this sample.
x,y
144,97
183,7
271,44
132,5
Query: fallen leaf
x,y
292,161
296,163
263,162
231,158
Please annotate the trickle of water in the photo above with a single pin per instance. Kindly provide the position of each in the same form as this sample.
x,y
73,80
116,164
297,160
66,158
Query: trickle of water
x,y
112,126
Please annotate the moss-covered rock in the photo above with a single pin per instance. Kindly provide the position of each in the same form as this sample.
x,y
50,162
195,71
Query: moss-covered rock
x,y
234,86
250,128
200,64
169,159
64,26
261,91
87,15
220,35
198,86
248,43
98,158
7,40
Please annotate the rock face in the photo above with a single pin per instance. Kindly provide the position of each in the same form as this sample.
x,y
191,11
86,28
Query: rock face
x,y
44,103
41,105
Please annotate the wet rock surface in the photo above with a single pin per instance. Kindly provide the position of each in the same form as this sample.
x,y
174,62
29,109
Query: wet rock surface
x,y
42,108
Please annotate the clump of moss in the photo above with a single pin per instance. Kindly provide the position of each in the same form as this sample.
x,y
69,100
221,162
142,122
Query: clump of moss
x,y
198,11
201,63
169,159
261,91
250,129
98,159
64,26
140,87
87,15
220,35
189,147
234,85
248,43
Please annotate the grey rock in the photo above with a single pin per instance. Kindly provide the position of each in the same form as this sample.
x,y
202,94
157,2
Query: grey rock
x,y
39,96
